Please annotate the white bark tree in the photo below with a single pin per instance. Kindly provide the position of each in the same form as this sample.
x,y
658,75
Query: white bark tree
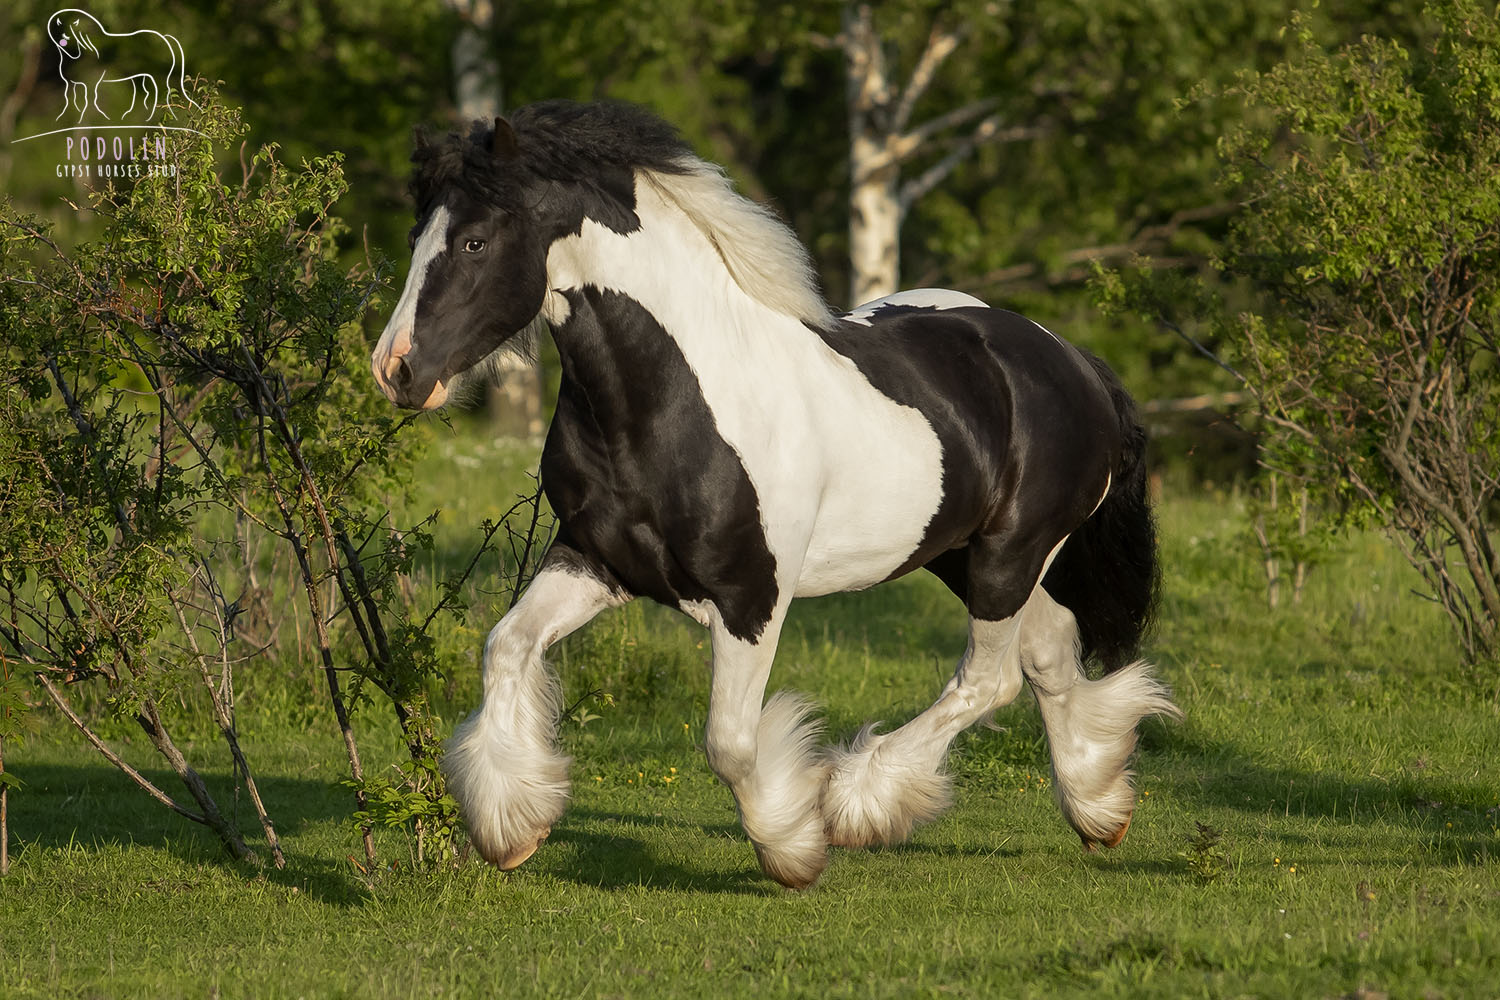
x,y
883,140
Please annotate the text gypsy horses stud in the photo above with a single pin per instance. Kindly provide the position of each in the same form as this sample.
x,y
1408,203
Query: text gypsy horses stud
x,y
724,443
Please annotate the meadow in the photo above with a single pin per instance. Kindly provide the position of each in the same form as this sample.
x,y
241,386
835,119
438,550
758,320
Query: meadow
x,y
1325,822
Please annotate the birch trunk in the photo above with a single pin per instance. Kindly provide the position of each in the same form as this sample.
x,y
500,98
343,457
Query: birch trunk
x,y
874,179
874,224
883,139
515,396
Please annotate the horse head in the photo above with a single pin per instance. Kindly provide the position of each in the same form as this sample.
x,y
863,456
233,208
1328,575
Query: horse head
x,y
478,269
75,32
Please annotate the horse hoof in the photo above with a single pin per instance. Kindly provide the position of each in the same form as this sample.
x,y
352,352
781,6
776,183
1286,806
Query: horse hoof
x,y
1113,840
792,870
518,857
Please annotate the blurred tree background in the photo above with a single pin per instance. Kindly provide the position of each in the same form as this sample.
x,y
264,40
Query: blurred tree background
x,y
1025,140
1007,148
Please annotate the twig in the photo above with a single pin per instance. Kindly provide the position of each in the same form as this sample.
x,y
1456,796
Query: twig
x,y
109,755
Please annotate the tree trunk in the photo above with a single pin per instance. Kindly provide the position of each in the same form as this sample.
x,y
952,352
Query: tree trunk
x,y
874,175
874,225
883,138
515,394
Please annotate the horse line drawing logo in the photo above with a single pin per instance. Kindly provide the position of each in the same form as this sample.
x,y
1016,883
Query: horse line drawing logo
x,y
121,82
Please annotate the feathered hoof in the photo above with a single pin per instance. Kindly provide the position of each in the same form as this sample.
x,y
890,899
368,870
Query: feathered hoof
x,y
510,795
874,797
780,808
1111,841
796,866
518,857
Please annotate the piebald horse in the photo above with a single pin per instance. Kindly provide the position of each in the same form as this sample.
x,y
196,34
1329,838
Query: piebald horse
x,y
724,442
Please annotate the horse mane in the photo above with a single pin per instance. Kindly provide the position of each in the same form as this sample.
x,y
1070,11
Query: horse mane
x,y
569,141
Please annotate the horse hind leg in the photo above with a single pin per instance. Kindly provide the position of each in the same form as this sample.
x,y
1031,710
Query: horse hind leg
x,y
882,785
1091,725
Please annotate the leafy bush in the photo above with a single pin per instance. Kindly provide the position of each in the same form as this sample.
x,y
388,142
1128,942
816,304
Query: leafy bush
x,y
1368,248
184,417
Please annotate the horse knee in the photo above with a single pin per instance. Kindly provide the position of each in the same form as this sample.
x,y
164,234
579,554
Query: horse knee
x,y
731,753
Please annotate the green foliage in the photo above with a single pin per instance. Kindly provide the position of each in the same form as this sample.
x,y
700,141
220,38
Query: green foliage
x,y
411,796
1372,241
1362,301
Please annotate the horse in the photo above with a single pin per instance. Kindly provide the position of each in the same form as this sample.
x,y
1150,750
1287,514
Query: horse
x,y
724,442
90,55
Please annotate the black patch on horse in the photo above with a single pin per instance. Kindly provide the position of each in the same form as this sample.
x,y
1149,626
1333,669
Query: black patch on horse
x,y
1010,404
639,475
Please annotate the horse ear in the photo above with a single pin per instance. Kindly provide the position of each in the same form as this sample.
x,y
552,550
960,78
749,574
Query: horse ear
x,y
420,139
504,145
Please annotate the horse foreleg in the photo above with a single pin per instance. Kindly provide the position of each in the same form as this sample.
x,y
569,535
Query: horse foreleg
x,y
502,764
883,785
1091,725
768,757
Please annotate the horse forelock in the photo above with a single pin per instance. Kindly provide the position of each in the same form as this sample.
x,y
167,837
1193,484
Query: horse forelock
x,y
556,140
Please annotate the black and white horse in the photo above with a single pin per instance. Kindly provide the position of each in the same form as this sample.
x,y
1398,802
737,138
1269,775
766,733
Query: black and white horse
x,y
724,443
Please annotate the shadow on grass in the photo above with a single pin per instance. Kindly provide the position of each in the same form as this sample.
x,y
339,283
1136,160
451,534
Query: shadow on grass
x,y
610,860
68,805
1457,814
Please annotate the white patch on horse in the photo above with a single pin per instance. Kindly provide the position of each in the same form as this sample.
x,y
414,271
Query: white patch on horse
x,y
396,341
925,298
847,478
1091,724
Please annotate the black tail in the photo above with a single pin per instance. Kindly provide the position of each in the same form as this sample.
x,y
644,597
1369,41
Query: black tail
x,y
1107,573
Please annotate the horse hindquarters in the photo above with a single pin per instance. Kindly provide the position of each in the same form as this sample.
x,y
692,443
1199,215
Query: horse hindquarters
x,y
1107,572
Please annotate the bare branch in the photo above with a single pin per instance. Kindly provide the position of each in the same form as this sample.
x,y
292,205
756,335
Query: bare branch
x,y
941,44
900,147
986,131
110,755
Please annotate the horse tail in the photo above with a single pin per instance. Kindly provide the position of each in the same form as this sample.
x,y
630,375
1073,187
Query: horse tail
x,y
1107,572
180,58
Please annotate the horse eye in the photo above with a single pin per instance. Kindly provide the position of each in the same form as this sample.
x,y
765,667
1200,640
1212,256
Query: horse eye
x,y
473,246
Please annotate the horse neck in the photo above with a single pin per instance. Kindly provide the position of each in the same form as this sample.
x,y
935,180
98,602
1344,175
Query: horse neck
x,y
667,266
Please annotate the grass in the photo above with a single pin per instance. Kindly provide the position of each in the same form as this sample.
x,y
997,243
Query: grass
x,y
1342,756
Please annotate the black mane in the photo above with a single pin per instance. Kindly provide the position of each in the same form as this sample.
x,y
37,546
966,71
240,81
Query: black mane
x,y
557,140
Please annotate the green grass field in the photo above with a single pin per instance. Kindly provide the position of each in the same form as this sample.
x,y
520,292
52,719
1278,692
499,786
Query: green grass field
x,y
1346,757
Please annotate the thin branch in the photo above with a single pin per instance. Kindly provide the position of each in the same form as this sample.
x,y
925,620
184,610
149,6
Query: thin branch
x,y
987,131
900,147
941,44
109,755
226,724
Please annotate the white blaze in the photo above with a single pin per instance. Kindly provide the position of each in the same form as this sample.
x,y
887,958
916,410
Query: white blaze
x,y
396,342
